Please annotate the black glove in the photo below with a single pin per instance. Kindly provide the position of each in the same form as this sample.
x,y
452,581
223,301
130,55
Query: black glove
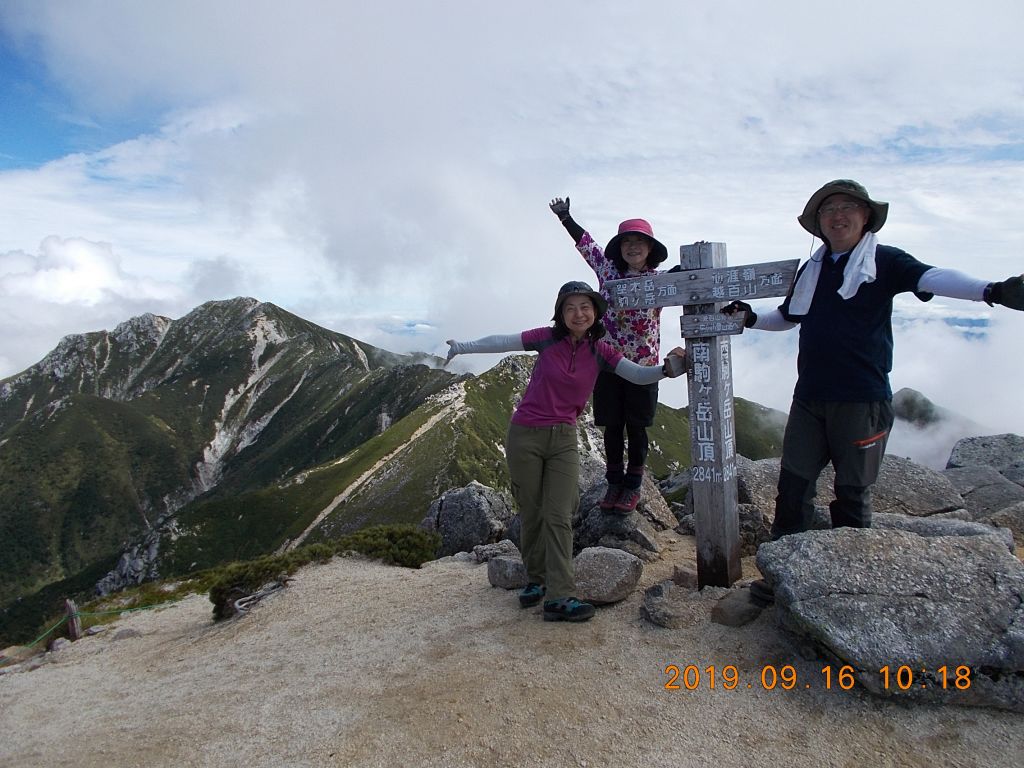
x,y
677,268
1009,293
560,208
741,306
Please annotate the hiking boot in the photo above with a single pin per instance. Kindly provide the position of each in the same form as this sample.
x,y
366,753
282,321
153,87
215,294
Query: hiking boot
x,y
567,609
627,501
611,496
762,593
531,595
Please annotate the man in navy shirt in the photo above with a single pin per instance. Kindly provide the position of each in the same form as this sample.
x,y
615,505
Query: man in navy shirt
x,y
842,301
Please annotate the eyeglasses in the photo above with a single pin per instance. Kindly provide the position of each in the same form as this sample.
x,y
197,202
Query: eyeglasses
x,y
832,209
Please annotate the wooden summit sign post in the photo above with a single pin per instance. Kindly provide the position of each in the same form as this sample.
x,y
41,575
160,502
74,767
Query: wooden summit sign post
x,y
701,288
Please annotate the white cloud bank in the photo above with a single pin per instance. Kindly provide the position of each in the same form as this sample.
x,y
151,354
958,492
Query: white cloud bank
x,y
384,169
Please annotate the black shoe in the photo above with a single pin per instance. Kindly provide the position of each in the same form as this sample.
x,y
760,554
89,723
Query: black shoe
x,y
567,609
762,593
531,595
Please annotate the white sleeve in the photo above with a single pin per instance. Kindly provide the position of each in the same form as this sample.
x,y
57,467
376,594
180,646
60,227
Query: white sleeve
x,y
510,343
951,283
639,374
772,321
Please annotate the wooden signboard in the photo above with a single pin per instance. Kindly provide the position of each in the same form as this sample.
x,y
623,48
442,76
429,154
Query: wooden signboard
x,y
704,285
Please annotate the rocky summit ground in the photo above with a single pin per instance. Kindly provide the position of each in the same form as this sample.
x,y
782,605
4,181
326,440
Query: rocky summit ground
x,y
361,664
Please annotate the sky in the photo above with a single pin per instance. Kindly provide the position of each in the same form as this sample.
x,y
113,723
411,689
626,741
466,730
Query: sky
x,y
384,169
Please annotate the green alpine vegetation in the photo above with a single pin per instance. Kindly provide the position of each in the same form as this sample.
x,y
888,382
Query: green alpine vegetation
x,y
165,448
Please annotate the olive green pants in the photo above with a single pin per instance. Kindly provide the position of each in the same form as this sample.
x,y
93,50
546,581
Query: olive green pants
x,y
544,466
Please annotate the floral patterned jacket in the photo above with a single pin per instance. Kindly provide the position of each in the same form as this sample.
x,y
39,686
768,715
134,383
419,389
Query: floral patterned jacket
x,y
635,332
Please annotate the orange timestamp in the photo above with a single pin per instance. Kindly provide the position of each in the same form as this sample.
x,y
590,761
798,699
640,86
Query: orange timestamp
x,y
784,677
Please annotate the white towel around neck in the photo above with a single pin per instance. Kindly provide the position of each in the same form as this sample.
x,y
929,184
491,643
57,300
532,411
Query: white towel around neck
x,y
859,269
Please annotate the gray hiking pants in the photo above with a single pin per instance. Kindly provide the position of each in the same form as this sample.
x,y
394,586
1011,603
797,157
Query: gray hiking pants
x,y
852,436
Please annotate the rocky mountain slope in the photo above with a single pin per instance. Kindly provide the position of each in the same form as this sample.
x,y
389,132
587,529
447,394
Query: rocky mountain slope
x,y
166,446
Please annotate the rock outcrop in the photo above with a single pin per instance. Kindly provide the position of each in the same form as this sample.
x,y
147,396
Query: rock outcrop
x,y
932,618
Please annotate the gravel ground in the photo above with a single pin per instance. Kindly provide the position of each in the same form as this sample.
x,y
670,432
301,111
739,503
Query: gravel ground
x,y
360,664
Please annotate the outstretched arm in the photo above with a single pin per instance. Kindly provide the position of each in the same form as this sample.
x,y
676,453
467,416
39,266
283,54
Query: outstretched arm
x,y
498,343
766,321
957,285
560,208
674,365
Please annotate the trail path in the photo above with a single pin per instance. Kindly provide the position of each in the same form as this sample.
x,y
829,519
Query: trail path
x,y
360,664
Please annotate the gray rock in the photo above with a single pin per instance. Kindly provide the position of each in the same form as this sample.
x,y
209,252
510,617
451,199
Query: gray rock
x,y
637,550
507,572
984,489
606,575
465,517
735,609
875,598
1012,519
661,606
654,507
674,607
594,527
755,527
1014,473
757,484
484,552
907,488
685,577
940,526
999,451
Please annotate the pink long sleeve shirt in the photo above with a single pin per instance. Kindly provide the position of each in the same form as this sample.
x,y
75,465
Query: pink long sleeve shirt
x,y
563,377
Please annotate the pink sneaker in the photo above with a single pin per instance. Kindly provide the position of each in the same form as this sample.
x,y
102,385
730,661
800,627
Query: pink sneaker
x,y
611,497
628,500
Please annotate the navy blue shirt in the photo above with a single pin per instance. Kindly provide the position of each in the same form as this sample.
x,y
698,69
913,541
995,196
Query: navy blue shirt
x,y
846,345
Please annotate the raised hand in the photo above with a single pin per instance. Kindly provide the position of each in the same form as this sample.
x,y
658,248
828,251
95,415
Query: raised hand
x,y
559,207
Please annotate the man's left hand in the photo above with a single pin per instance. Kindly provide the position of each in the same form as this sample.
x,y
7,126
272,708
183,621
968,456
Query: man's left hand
x,y
1009,293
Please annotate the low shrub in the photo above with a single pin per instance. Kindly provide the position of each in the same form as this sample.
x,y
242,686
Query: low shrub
x,y
403,545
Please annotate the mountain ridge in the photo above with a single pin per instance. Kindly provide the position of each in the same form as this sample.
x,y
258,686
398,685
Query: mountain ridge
x,y
240,429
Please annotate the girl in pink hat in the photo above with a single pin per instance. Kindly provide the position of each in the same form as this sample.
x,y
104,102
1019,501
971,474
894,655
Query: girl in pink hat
x,y
625,410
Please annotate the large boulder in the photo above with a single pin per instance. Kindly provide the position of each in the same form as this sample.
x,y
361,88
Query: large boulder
x,y
906,488
941,526
984,489
1010,518
1004,452
605,575
507,572
875,599
635,532
466,517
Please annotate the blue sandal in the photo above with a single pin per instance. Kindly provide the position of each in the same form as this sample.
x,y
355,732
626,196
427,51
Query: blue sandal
x,y
567,609
531,595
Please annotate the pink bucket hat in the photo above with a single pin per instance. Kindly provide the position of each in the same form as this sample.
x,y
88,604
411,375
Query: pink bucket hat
x,y
614,252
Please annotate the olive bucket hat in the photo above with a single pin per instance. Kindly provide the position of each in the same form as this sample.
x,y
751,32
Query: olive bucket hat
x,y
809,218
639,226
578,288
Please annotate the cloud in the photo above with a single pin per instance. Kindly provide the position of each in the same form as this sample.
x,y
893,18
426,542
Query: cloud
x,y
386,167
68,272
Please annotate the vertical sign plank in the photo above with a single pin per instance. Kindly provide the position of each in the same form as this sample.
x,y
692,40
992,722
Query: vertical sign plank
x,y
713,438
